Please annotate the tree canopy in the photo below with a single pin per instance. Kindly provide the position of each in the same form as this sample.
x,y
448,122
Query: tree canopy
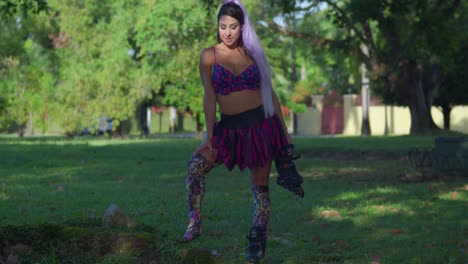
x,y
407,46
77,61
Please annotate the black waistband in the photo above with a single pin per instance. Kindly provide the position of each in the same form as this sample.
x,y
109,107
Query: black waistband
x,y
244,119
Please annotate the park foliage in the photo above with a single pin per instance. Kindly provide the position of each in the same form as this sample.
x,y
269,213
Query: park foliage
x,y
71,62
361,204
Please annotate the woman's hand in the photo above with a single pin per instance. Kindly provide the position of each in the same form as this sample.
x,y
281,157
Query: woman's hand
x,y
205,146
206,149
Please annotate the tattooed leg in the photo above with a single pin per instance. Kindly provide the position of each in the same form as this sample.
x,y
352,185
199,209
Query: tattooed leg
x,y
198,167
257,234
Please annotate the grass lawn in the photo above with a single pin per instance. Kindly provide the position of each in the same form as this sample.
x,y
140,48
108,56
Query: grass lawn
x,y
355,209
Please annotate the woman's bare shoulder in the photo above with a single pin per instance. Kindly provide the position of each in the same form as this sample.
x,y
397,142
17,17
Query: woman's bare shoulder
x,y
207,56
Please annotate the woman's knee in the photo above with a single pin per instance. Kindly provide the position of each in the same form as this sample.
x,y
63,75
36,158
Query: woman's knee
x,y
261,175
260,181
199,165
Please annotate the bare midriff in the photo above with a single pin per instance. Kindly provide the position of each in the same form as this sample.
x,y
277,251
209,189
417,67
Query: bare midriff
x,y
238,102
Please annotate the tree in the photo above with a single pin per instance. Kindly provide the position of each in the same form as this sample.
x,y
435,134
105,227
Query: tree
x,y
96,67
277,49
171,38
26,71
402,41
11,8
453,88
284,54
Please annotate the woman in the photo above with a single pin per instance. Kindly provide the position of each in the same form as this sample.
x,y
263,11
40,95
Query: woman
x,y
251,133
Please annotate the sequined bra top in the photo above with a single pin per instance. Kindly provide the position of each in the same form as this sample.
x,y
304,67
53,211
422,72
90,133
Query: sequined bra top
x,y
225,82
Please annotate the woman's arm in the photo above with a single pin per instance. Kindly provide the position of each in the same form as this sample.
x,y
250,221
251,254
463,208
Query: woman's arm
x,y
279,113
209,96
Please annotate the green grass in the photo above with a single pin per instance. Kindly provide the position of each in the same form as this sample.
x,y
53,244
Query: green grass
x,y
355,210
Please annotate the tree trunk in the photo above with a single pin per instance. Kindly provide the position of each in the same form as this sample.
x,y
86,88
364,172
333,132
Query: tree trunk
x,y
292,122
410,87
118,132
419,120
180,123
20,130
199,124
141,116
446,110
431,84
30,126
69,135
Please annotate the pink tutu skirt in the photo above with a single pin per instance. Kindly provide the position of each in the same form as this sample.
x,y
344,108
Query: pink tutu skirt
x,y
248,139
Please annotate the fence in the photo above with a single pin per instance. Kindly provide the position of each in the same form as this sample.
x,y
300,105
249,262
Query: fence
x,y
322,117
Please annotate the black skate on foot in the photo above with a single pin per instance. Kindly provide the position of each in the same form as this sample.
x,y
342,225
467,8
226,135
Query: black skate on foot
x,y
288,177
257,244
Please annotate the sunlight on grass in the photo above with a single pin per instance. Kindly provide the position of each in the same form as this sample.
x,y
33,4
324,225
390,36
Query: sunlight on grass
x,y
366,195
454,195
385,190
3,195
107,142
322,171
45,142
66,175
353,209
345,196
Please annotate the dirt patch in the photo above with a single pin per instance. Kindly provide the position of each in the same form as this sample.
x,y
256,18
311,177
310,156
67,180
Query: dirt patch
x,y
330,214
65,243
199,255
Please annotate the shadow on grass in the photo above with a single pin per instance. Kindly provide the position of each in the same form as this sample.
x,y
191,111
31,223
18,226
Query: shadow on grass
x,y
383,221
82,241
355,210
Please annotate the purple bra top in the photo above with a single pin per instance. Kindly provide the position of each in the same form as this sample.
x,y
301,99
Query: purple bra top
x,y
225,82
